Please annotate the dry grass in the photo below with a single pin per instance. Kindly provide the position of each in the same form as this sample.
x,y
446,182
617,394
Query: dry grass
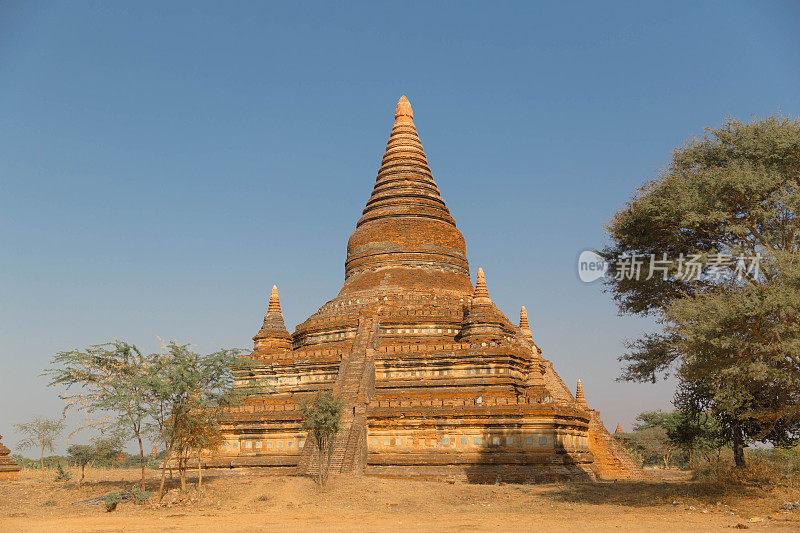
x,y
762,471
246,502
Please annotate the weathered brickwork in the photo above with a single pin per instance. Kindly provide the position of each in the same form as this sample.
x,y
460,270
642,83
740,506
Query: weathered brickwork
x,y
435,380
9,469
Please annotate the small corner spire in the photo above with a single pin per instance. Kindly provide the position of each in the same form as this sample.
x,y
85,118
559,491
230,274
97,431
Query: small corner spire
x,y
481,294
274,301
523,323
579,396
619,429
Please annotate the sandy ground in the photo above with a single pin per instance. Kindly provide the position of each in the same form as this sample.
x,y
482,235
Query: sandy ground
x,y
260,503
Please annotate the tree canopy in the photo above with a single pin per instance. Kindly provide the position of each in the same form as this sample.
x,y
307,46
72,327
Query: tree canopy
x,y
188,393
176,395
101,449
40,433
322,416
711,249
107,381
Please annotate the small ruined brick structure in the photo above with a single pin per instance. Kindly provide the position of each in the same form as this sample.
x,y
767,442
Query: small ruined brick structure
x,y
435,380
9,470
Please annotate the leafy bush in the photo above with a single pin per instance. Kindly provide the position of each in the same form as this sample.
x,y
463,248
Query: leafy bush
x,y
321,417
61,474
139,496
133,494
113,499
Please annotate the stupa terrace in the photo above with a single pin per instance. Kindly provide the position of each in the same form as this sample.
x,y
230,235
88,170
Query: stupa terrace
x,y
435,380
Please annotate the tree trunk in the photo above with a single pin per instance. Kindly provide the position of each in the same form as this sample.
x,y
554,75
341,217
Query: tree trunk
x,y
182,472
83,473
141,460
738,447
321,453
41,460
199,471
329,453
167,454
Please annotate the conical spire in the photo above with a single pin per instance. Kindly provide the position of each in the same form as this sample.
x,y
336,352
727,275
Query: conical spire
x,y
406,224
272,338
481,294
579,395
483,321
405,185
273,320
619,429
523,323
274,302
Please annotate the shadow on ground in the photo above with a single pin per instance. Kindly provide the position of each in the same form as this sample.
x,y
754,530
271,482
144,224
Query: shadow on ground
x,y
645,494
108,486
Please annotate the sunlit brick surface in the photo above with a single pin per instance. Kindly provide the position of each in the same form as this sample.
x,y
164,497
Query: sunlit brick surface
x,y
9,470
435,380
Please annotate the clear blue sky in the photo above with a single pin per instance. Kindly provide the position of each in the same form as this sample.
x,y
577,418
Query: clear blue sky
x,y
163,164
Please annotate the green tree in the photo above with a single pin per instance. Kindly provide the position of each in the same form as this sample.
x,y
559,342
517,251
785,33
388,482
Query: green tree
x,y
187,395
102,449
203,432
102,379
650,444
686,431
81,455
40,433
693,428
321,417
727,203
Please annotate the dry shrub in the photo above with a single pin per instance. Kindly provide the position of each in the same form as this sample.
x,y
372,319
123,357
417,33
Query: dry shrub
x,y
764,468
759,470
787,463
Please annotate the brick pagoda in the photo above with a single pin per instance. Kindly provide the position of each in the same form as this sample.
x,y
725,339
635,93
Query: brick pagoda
x,y
435,380
9,469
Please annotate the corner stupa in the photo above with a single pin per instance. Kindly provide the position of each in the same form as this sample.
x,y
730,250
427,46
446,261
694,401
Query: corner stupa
x,y
9,469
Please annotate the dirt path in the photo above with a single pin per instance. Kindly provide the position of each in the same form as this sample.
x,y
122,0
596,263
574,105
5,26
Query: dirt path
x,y
249,503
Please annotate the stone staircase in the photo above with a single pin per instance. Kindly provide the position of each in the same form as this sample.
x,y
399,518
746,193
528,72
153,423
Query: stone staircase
x,y
354,386
611,461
